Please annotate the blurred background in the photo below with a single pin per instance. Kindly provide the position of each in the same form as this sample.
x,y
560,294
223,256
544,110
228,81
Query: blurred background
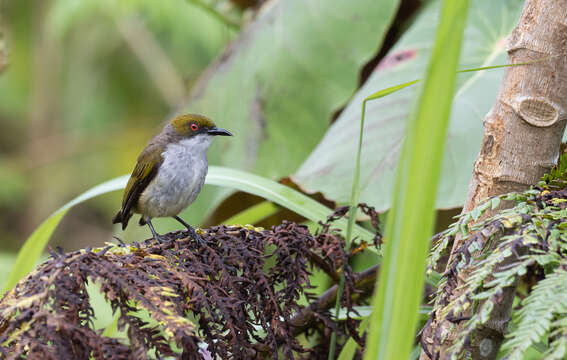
x,y
89,82
84,85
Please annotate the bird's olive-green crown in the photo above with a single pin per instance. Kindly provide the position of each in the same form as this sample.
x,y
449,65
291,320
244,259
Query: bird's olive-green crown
x,y
188,125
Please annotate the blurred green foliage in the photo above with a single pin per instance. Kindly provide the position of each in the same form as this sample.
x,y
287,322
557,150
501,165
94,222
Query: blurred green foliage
x,y
328,167
78,102
277,86
91,81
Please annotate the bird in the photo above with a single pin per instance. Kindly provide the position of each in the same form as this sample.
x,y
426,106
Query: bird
x,y
169,173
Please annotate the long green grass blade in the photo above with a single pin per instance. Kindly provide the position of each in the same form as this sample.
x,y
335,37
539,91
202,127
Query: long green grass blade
x,y
220,176
392,89
381,93
355,195
279,194
356,178
410,222
35,244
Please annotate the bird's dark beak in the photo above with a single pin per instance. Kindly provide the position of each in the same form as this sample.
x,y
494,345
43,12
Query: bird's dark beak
x,y
218,131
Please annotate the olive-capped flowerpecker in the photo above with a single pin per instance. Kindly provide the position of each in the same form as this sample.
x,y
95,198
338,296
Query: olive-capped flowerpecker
x,y
169,172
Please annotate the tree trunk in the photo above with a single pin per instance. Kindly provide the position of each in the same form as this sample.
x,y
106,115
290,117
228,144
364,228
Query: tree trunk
x,y
523,132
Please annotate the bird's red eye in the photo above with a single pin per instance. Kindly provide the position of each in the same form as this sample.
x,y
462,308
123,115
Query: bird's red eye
x,y
194,127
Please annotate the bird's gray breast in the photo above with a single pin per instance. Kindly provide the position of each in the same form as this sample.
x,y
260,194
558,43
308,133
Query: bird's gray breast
x,y
178,181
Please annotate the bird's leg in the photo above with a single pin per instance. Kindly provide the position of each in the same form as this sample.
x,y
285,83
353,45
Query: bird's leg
x,y
192,231
154,233
120,242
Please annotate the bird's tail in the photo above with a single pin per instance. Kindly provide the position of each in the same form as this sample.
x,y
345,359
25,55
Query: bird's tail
x,y
122,218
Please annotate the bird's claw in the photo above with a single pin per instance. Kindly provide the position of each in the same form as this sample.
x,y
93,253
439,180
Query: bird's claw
x,y
197,237
120,242
160,239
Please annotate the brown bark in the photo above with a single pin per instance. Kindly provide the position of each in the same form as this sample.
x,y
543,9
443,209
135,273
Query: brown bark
x,y
523,132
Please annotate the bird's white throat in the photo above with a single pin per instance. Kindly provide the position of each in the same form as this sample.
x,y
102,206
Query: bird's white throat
x,y
198,143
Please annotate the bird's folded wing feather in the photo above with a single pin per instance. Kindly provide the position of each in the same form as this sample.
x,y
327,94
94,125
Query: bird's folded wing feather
x,y
144,172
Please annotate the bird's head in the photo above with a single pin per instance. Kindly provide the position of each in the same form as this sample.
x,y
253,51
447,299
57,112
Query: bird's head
x,y
192,125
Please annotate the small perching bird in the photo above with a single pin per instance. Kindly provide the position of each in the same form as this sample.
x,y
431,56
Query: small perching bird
x,y
169,172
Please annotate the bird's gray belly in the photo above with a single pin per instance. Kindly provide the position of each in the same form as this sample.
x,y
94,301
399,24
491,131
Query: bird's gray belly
x,y
176,185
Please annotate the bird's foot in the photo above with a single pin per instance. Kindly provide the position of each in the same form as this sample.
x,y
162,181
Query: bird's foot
x,y
192,232
160,239
196,236
120,242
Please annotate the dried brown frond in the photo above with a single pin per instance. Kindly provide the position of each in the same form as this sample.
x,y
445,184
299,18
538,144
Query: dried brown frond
x,y
238,297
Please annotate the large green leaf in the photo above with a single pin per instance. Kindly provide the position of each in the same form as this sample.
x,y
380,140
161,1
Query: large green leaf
x,y
278,84
220,176
328,169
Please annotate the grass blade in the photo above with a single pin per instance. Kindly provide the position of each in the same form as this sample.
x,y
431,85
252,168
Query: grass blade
x,y
356,178
279,194
36,243
410,222
220,176
354,196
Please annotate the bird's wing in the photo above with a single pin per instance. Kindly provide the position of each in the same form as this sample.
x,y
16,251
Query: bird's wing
x,y
146,169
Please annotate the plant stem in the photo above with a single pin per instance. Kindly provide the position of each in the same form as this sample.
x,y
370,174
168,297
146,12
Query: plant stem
x,y
355,193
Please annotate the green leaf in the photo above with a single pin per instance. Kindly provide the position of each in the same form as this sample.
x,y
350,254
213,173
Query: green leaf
x,y
475,213
534,321
410,222
495,202
174,22
354,196
280,81
253,214
276,88
220,176
349,349
35,244
329,167
363,311
279,194
7,260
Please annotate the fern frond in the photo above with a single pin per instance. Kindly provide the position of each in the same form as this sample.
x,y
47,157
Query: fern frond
x,y
531,235
534,320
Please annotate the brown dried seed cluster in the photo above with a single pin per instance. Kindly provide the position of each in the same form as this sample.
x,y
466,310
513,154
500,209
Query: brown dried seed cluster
x,y
238,297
